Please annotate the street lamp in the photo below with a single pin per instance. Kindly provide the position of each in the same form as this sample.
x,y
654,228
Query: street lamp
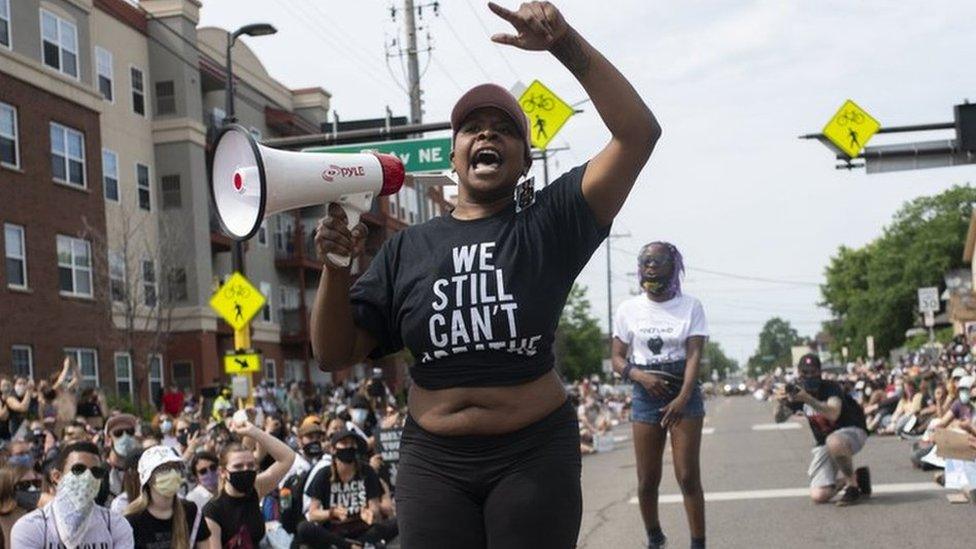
x,y
254,29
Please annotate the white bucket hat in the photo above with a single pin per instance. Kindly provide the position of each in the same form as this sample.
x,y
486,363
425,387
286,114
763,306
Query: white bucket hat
x,y
153,458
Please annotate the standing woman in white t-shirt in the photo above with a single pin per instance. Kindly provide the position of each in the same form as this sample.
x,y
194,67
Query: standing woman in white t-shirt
x,y
658,340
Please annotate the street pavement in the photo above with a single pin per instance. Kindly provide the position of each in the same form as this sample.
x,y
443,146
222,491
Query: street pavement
x,y
754,474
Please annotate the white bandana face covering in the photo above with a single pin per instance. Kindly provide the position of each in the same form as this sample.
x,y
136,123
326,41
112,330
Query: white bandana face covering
x,y
73,503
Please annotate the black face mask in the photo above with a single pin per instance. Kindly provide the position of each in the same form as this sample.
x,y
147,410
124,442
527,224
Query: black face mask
x,y
182,439
27,499
346,455
243,481
313,449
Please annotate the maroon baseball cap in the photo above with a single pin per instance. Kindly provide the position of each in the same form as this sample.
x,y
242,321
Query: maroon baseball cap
x,y
492,95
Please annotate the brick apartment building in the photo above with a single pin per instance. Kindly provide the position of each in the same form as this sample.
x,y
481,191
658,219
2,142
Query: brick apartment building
x,y
111,249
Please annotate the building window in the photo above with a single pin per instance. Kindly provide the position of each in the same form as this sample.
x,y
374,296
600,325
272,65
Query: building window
x,y
9,144
74,266
155,377
87,361
165,97
116,275
270,372
142,184
5,22
171,191
67,155
59,42
16,255
123,375
22,359
181,374
176,284
266,311
149,286
110,175
263,233
105,73
138,91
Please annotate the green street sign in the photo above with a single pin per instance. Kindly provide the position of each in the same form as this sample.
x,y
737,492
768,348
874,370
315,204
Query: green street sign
x,y
417,155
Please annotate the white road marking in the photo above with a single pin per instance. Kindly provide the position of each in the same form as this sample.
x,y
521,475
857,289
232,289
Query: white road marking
x,y
776,426
899,488
708,430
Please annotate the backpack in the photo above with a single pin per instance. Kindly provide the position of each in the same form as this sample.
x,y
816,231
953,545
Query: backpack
x,y
292,500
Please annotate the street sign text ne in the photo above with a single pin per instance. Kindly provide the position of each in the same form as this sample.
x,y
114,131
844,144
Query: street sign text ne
x,y
417,155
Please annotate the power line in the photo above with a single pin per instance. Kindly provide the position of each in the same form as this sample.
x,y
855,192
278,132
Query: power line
x,y
447,73
498,49
464,46
322,37
733,275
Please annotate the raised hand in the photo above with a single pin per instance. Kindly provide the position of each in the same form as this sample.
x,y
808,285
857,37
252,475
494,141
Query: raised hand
x,y
539,25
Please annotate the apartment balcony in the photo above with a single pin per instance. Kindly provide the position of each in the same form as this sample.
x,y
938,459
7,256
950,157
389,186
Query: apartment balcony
x,y
219,242
296,250
294,326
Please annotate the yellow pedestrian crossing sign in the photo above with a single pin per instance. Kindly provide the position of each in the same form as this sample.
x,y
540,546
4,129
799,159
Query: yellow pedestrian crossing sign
x,y
242,363
237,301
546,111
851,128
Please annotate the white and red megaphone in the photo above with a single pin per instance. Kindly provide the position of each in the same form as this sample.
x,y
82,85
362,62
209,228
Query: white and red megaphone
x,y
249,182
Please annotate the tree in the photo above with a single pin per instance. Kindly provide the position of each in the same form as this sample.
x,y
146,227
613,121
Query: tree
x,y
715,359
871,290
776,342
580,347
142,263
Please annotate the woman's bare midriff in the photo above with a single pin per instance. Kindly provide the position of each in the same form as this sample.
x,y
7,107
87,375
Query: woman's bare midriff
x,y
486,410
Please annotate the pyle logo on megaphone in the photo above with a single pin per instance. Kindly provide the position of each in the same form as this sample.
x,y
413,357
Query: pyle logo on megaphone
x,y
266,181
339,171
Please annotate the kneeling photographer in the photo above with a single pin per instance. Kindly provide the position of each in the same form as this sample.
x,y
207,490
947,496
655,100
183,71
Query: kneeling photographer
x,y
838,426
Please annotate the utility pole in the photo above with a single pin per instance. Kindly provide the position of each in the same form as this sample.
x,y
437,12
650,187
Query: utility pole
x,y
413,67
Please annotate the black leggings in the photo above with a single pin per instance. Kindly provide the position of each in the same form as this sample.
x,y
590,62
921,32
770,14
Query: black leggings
x,y
508,491
313,534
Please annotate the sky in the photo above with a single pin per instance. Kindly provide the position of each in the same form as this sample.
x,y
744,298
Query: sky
x,y
733,84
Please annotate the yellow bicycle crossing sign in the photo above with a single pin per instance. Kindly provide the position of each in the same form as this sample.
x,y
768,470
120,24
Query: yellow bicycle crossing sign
x,y
237,301
546,111
851,128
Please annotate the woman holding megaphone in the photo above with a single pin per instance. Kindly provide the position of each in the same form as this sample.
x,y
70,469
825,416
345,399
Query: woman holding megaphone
x,y
490,451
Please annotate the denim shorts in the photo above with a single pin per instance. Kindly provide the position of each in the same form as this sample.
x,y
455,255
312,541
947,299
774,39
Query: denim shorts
x,y
646,407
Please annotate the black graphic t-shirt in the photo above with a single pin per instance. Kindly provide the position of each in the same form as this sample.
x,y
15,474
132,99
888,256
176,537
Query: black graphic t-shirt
x,y
851,413
353,495
150,532
237,517
477,302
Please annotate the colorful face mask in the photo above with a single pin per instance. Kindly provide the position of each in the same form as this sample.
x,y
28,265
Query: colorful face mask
x,y
660,283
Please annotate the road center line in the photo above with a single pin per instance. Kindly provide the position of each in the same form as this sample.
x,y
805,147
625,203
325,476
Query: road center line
x,y
776,426
899,488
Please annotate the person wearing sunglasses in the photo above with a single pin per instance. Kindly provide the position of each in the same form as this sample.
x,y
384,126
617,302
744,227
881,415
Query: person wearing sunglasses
x,y
73,518
121,442
159,518
203,470
658,340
